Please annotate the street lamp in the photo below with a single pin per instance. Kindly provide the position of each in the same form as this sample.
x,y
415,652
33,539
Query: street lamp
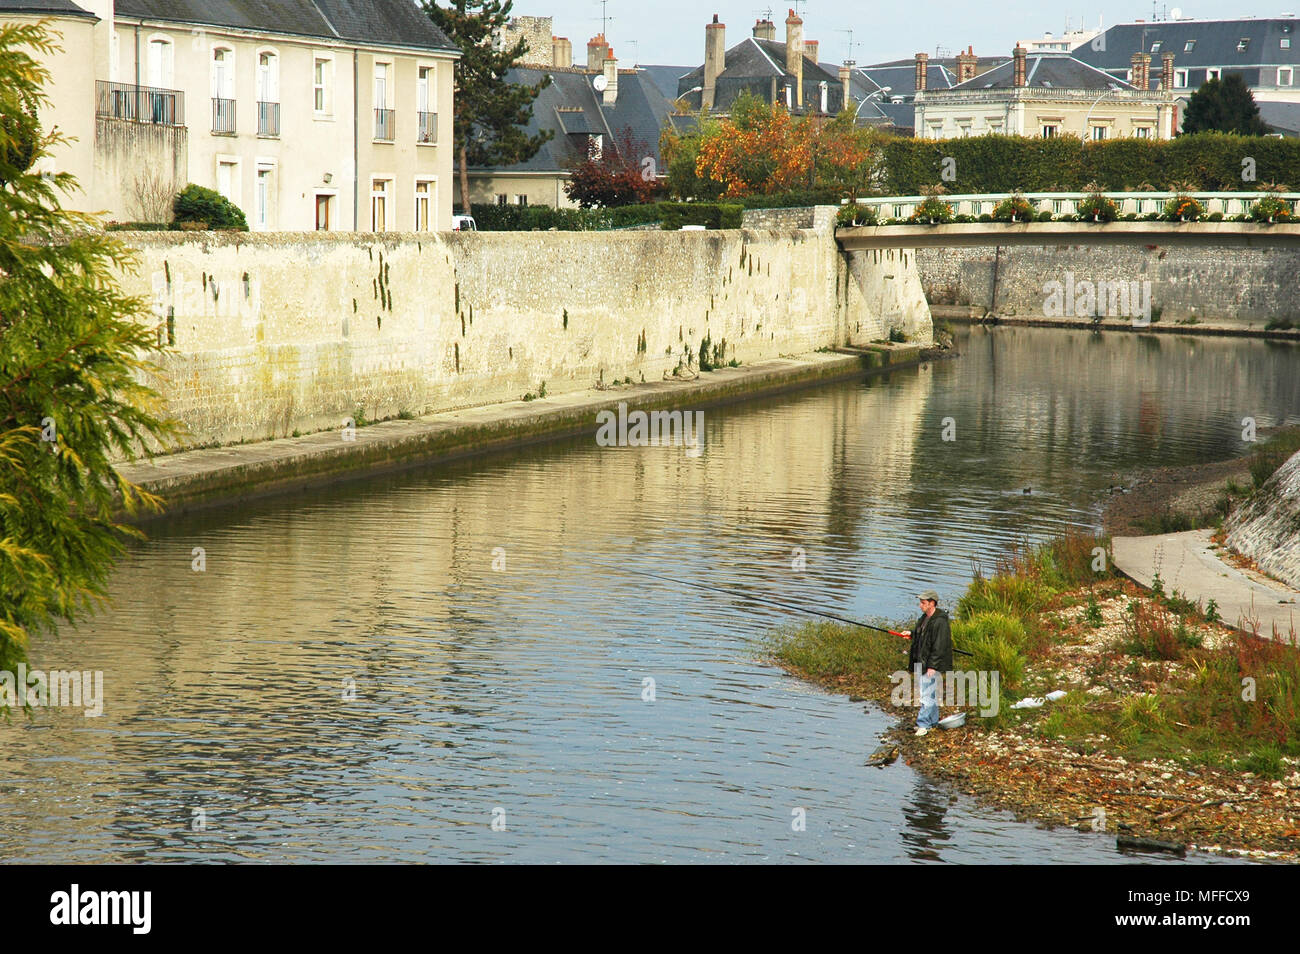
x,y
882,92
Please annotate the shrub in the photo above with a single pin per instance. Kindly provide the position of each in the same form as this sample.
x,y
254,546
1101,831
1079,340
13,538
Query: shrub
x,y
853,215
1014,208
1045,215
995,653
933,210
1096,206
1183,208
1271,208
196,204
1214,217
712,215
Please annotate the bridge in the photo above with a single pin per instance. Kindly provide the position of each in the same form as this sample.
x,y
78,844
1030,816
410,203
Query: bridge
x,y
1205,234
1065,230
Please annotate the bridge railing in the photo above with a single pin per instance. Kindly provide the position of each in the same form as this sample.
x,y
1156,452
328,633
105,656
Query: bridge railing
x,y
1066,203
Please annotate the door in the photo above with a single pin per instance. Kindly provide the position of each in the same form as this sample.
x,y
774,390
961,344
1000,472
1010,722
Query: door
x,y
323,213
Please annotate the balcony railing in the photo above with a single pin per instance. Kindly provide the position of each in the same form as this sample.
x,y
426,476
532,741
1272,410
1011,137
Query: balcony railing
x,y
141,104
428,128
385,120
268,120
223,117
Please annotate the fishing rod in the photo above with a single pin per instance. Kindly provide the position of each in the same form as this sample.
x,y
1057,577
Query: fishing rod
x,y
778,603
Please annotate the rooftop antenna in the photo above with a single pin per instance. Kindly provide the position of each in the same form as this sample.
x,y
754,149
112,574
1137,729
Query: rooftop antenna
x,y
850,61
797,5
636,52
605,18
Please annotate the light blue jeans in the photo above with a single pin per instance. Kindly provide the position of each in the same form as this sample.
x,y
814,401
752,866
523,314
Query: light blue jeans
x,y
928,717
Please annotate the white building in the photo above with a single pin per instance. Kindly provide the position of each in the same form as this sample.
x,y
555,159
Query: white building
x,y
307,114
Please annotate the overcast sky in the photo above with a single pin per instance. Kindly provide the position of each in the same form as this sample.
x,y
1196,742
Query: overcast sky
x,y
672,31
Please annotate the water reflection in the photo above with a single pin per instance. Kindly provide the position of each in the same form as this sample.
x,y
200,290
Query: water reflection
x,y
498,652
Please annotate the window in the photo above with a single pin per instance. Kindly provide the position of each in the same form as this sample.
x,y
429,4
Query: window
x,y
423,205
228,179
502,198
521,200
1284,75
595,146
965,130
379,205
264,198
1142,132
995,128
1050,131
223,91
383,101
428,119
1242,44
1155,47
1099,133
1189,46
1285,43
161,63
268,94
1212,73
324,206
322,77
1180,79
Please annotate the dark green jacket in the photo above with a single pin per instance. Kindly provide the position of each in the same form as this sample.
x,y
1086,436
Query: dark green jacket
x,y
931,643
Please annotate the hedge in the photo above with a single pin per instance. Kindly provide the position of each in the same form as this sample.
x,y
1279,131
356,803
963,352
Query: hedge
x,y
542,218
712,215
1209,162
199,205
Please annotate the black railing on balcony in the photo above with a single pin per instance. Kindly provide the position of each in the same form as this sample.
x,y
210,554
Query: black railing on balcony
x,y
428,127
141,104
268,120
223,117
384,123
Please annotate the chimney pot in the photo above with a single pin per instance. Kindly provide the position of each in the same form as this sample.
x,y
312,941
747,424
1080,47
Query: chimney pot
x,y
922,67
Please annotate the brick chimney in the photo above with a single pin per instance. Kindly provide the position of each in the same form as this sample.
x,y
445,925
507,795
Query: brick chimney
x,y
764,30
794,50
966,63
1141,65
846,80
715,60
1020,74
1166,71
561,52
610,72
922,67
811,49
597,50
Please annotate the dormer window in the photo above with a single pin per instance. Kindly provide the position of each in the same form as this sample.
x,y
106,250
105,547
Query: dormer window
x,y
1242,44
1189,46
1155,47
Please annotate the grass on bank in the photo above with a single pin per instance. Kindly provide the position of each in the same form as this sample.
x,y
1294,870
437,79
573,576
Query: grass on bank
x,y
1145,685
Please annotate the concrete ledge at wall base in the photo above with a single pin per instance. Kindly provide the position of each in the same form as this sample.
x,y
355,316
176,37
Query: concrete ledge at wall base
x,y
209,477
965,314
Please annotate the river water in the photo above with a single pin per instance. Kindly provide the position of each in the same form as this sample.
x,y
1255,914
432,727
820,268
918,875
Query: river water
x,y
380,670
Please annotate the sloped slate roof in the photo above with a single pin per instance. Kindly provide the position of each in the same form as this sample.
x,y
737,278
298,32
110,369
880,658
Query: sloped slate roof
x,y
1047,71
570,105
390,22
1214,43
48,7
754,58
666,77
901,77
1281,118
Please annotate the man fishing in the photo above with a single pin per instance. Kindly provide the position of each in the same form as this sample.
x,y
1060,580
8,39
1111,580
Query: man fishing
x,y
930,657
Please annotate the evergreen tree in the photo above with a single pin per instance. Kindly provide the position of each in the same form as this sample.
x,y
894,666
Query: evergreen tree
x,y
1224,105
71,397
490,112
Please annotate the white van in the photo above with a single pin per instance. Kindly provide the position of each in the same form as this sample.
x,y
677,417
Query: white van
x,y
463,223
